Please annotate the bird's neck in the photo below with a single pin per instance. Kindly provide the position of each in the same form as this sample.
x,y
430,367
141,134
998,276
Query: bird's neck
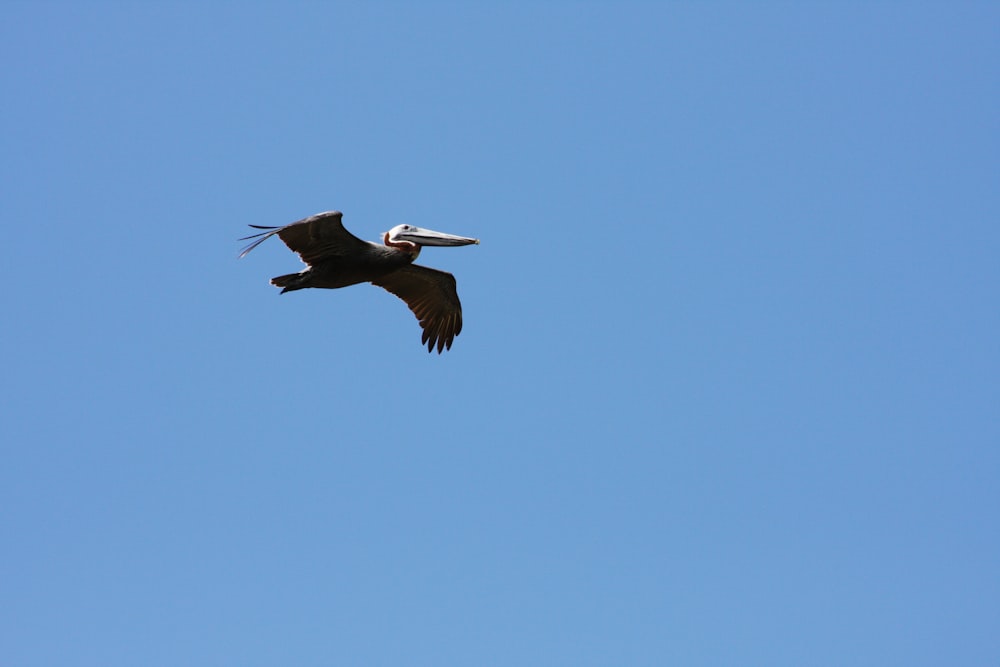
x,y
411,249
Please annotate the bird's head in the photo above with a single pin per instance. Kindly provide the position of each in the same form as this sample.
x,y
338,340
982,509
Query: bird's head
x,y
411,239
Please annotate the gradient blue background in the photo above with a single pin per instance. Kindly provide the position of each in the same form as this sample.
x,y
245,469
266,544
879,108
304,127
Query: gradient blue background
x,y
727,392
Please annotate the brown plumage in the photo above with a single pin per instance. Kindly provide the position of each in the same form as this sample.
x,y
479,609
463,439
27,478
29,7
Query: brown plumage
x,y
336,258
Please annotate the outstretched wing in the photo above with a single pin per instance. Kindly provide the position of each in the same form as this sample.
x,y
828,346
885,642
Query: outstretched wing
x,y
318,237
433,298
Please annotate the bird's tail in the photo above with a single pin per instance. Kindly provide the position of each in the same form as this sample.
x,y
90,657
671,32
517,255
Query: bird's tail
x,y
290,282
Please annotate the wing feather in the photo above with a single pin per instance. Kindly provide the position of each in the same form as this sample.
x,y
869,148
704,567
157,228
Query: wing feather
x,y
318,237
432,295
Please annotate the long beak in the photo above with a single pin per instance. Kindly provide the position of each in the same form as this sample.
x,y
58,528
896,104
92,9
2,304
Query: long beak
x,y
430,237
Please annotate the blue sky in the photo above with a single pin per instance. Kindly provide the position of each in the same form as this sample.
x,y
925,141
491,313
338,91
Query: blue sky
x,y
727,390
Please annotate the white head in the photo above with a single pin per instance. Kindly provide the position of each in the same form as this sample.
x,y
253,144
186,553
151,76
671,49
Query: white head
x,y
413,238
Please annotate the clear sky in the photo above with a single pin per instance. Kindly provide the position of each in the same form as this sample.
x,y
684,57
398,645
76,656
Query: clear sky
x,y
727,392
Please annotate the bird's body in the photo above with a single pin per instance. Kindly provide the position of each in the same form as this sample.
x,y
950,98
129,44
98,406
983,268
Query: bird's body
x,y
336,258
332,272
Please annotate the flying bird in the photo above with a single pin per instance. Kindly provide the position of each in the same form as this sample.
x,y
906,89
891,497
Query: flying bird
x,y
336,258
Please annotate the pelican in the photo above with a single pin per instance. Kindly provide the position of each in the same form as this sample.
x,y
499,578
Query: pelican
x,y
336,258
